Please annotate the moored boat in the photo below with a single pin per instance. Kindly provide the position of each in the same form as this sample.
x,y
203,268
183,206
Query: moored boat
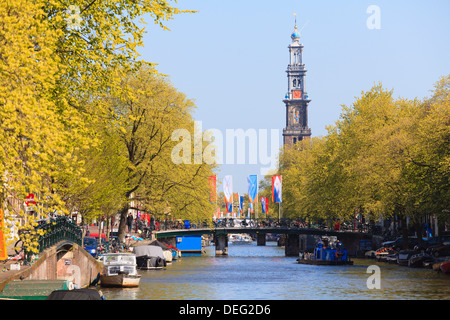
x,y
240,238
176,253
420,260
332,255
167,252
119,270
403,256
386,254
445,267
391,258
272,237
149,257
428,263
437,266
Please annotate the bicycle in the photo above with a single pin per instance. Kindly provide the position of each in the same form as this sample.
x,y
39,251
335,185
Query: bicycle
x,y
19,245
117,246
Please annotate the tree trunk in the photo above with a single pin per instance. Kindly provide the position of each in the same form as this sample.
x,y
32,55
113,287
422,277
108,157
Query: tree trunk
x,y
419,228
441,227
404,232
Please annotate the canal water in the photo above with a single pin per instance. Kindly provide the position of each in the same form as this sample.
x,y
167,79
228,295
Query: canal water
x,y
252,272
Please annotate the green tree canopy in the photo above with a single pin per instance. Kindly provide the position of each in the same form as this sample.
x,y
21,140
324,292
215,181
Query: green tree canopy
x,y
383,157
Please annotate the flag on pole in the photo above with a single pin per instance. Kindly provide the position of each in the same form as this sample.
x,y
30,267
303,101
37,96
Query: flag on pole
x,y
263,204
250,206
267,205
229,207
252,188
276,189
241,204
212,189
228,189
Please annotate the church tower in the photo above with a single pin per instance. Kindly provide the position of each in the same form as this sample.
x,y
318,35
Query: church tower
x,y
296,99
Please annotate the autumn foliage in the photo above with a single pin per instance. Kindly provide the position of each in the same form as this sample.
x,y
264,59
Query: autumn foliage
x,y
85,123
384,157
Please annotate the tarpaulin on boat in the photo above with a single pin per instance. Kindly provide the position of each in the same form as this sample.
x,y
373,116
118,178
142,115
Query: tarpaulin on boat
x,y
159,244
76,294
148,250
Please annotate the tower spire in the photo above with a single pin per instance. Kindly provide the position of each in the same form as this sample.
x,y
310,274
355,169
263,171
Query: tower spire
x,y
296,99
295,36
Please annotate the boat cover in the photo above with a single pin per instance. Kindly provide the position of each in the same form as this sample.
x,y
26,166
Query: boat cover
x,y
159,244
148,250
33,289
76,294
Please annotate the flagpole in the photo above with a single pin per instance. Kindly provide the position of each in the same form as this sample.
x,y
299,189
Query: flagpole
x,y
238,206
279,210
257,195
217,200
232,206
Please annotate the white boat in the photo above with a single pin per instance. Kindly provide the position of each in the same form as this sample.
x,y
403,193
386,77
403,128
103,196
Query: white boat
x,y
119,270
239,238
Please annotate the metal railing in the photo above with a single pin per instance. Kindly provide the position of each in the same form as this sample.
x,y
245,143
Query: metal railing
x,y
53,231
263,223
59,229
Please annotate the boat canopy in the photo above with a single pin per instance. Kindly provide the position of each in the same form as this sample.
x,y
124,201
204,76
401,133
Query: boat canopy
x,y
150,251
159,244
76,294
119,259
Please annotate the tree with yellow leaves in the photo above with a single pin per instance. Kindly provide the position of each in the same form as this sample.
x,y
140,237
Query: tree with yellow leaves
x,y
146,111
30,127
384,157
57,63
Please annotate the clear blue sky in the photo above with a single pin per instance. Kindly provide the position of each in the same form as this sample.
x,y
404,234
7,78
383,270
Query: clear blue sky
x,y
231,56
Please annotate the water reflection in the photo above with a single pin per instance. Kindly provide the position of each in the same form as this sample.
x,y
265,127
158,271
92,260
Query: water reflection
x,y
251,273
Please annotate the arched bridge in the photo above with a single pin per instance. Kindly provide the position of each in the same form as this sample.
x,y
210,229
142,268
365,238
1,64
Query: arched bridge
x,y
61,255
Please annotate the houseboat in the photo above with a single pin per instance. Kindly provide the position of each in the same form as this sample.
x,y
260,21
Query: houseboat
x,y
334,254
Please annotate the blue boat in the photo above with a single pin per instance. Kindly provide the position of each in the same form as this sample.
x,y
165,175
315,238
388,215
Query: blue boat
x,y
332,255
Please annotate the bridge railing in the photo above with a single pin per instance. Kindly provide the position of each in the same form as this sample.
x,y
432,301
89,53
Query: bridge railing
x,y
264,223
51,231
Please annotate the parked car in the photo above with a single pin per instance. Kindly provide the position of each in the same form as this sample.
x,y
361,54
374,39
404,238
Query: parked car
x,y
90,244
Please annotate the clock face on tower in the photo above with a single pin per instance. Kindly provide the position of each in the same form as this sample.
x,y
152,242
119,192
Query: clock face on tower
x,y
296,94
